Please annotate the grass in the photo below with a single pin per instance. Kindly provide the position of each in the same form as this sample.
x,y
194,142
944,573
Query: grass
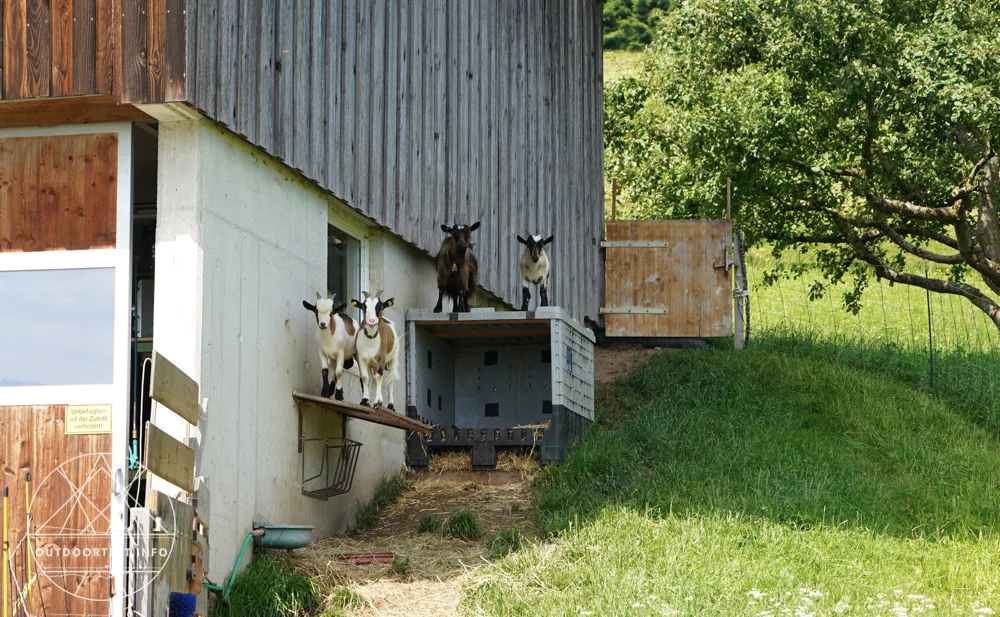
x,y
506,541
387,491
727,483
429,524
345,597
618,64
266,589
401,565
464,526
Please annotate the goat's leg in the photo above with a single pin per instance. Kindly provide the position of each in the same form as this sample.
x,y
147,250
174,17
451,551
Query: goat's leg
x,y
338,375
365,369
543,292
525,293
325,363
377,402
389,381
437,307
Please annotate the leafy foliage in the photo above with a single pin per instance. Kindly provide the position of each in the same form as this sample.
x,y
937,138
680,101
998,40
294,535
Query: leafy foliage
x,y
865,131
629,24
429,524
508,540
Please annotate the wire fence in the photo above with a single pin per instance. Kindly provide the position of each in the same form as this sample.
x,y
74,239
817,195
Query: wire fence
x,y
936,342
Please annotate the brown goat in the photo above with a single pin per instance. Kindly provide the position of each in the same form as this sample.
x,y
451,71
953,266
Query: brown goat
x,y
457,267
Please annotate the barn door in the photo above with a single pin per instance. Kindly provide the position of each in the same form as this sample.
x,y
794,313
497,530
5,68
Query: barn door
x,y
65,225
668,279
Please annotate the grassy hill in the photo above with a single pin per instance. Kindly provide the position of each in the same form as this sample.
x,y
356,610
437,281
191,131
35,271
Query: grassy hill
x,y
739,483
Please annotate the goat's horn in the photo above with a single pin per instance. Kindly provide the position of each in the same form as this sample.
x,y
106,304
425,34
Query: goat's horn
x,y
364,295
379,294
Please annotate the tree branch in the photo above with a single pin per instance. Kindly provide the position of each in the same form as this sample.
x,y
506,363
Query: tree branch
x,y
956,258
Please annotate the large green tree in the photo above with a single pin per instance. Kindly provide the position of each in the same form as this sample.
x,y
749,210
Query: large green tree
x,y
631,24
867,132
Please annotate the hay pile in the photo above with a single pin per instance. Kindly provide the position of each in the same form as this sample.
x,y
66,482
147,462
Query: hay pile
x,y
517,460
438,565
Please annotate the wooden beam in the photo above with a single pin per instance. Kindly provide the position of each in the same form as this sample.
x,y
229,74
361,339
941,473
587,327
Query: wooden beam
x,y
489,333
169,459
73,110
173,389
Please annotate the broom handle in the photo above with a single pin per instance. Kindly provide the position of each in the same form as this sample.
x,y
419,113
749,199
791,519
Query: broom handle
x,y
27,533
6,561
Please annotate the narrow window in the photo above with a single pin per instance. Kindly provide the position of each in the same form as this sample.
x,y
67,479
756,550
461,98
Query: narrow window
x,y
546,356
343,265
546,407
491,358
492,410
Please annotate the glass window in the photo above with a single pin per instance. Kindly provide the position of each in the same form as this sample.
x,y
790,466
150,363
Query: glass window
x,y
343,267
57,327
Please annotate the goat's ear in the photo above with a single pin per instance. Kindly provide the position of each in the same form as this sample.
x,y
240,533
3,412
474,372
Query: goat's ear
x,y
388,302
356,304
338,309
309,307
446,229
549,240
475,226
522,240
319,296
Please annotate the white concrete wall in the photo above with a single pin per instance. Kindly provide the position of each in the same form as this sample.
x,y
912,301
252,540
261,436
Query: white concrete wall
x,y
241,241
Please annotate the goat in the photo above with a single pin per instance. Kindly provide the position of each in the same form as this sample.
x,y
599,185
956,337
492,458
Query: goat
x,y
335,333
457,267
535,268
378,348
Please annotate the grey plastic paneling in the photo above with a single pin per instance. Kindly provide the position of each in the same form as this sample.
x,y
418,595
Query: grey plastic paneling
x,y
519,382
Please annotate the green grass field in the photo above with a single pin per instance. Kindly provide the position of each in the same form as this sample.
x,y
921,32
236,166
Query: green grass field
x,y
620,63
727,483
818,473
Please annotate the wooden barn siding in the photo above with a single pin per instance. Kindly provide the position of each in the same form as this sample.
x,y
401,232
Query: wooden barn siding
x,y
425,113
134,49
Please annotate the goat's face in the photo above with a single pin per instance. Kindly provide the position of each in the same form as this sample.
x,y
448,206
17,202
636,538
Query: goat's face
x,y
324,310
461,236
535,244
371,309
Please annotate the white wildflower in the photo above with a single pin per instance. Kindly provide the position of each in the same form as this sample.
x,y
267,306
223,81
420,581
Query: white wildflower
x,y
637,605
842,607
984,611
689,598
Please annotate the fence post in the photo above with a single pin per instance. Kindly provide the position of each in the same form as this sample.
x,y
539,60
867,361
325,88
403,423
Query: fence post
x,y
740,329
930,326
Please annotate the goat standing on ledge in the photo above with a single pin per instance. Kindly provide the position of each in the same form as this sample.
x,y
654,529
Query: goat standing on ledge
x,y
535,268
457,267
335,334
378,348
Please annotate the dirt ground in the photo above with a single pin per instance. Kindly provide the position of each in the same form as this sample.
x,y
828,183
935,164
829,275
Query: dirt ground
x,y
619,359
438,565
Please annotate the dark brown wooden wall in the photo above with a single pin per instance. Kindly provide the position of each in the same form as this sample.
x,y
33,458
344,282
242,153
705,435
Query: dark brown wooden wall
x,y
58,193
426,112
133,49
33,439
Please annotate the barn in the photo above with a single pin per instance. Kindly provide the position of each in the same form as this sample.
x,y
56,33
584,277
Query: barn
x,y
176,177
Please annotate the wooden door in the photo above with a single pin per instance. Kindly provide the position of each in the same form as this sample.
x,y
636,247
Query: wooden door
x,y
668,279
65,216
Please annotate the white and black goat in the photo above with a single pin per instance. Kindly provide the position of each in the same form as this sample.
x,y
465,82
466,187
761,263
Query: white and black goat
x,y
335,332
457,267
535,268
378,348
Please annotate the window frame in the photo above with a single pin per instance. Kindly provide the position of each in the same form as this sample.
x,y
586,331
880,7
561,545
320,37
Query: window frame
x,y
354,227
118,258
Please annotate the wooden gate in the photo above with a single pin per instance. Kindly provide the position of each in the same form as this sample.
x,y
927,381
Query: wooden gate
x,y
668,279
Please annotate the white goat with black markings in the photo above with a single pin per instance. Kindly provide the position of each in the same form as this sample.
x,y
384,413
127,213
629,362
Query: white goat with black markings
x,y
535,268
378,349
336,333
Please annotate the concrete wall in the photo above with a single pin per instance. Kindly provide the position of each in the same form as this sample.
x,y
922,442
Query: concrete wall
x,y
241,241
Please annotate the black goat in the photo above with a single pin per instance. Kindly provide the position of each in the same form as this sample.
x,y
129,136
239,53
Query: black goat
x,y
457,267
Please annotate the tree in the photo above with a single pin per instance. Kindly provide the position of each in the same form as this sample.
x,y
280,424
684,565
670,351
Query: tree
x,y
867,132
629,24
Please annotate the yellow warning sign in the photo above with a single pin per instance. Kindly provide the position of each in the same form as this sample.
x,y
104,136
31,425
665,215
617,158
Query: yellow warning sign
x,y
88,419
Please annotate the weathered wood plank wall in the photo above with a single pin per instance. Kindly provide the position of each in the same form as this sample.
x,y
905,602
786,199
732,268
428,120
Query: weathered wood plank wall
x,y
134,49
58,193
424,113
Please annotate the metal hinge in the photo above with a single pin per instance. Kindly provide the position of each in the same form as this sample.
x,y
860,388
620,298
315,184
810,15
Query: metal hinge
x,y
634,244
633,310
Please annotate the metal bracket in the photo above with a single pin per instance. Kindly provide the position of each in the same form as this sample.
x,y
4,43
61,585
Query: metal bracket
x,y
726,261
634,244
633,310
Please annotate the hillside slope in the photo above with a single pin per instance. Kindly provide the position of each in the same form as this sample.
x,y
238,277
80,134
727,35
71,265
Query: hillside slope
x,y
740,483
